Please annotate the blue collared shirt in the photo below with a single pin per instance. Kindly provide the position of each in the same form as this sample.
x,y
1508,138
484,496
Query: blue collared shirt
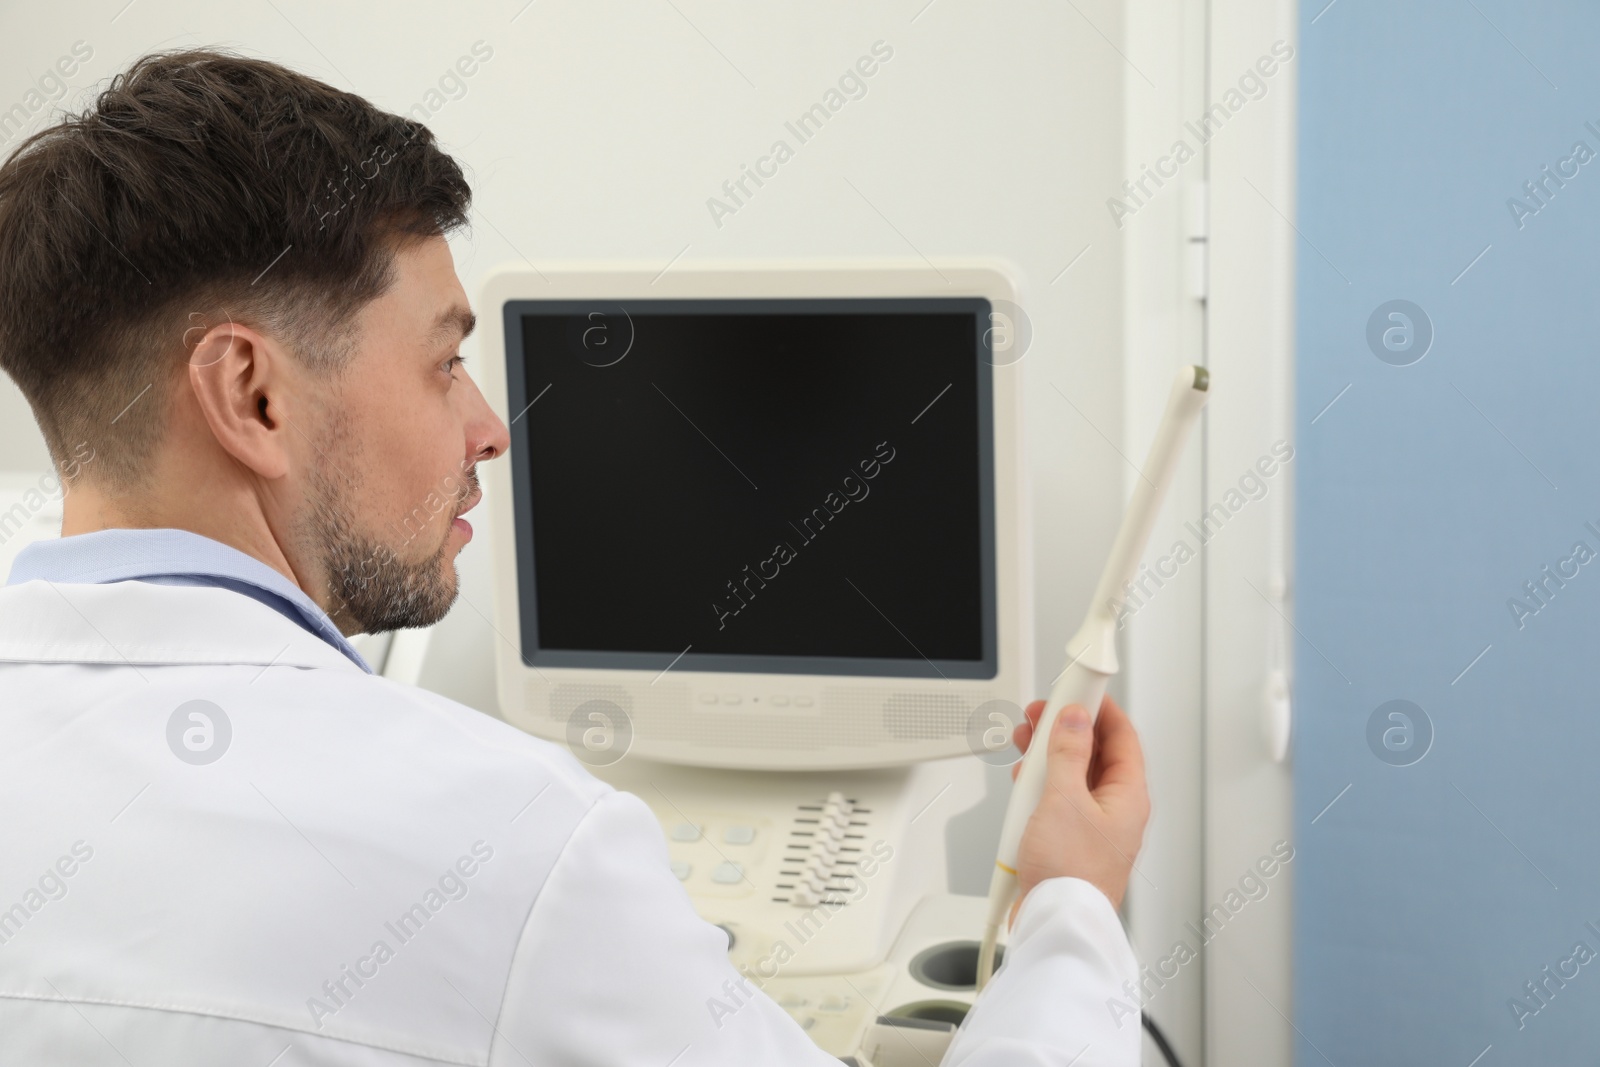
x,y
174,557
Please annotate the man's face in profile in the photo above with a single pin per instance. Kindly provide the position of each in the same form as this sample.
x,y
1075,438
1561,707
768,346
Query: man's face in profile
x,y
395,464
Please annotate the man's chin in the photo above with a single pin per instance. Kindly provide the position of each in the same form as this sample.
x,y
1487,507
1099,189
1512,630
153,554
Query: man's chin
x,y
445,590
402,595
450,586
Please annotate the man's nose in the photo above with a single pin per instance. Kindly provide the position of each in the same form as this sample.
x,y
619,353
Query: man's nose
x,y
487,435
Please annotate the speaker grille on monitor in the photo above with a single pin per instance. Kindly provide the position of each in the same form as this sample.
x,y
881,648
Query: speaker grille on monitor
x,y
926,716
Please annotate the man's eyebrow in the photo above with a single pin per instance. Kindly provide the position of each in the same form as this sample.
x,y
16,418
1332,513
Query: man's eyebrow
x,y
457,322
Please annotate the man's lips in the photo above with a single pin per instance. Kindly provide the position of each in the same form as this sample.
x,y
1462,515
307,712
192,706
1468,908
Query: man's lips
x,y
461,524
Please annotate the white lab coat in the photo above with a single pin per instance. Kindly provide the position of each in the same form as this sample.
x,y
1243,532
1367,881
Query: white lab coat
x,y
373,874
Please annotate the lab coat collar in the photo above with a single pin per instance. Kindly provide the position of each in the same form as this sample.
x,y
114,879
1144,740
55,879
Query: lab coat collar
x,y
174,557
134,622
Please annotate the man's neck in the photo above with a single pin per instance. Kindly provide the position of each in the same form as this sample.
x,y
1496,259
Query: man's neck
x,y
88,508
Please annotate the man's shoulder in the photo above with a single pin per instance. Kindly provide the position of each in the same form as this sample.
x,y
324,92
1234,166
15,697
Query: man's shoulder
x,y
313,822
349,745
483,728
371,712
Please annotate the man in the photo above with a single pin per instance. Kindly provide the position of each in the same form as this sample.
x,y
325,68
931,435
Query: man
x,y
225,291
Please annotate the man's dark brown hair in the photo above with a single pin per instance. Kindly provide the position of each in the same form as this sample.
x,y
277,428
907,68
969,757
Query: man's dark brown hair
x,y
201,188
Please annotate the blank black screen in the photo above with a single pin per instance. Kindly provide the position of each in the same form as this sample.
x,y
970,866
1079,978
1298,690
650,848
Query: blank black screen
x,y
759,483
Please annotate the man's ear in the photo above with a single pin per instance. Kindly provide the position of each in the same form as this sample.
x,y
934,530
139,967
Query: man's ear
x,y
240,382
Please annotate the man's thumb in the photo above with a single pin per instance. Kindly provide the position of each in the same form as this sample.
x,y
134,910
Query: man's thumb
x,y
1071,746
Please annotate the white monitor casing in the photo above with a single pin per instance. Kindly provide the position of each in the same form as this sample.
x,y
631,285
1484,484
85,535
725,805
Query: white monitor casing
x,y
759,720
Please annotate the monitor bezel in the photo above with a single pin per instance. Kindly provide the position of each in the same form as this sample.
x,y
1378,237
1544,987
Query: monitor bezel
x,y
686,717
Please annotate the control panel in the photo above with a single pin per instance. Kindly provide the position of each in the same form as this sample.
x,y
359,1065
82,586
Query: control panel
x,y
813,876
817,857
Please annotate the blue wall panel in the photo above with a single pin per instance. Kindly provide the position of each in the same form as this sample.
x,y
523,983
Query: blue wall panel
x,y
1429,492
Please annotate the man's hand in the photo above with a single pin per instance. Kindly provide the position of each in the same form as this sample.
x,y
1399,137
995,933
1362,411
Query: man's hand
x,y
1090,820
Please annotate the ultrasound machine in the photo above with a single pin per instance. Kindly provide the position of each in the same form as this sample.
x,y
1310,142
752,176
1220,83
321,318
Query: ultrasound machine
x,y
762,558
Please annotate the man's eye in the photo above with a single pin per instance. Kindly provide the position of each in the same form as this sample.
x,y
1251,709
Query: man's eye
x,y
453,362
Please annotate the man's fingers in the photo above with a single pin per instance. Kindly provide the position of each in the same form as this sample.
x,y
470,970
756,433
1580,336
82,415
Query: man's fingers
x,y
1071,746
1120,758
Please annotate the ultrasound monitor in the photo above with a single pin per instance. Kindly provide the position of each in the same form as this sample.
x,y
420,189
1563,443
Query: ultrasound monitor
x,y
758,517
